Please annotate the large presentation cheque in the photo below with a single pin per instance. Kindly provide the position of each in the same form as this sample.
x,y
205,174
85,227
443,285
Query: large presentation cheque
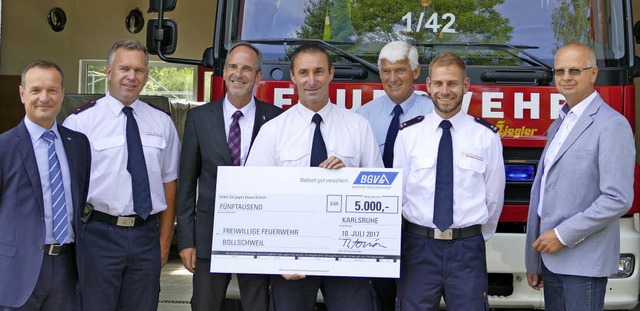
x,y
311,221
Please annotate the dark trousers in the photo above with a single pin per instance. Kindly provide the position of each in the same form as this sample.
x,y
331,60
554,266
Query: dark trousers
x,y
340,293
570,292
386,292
56,286
210,289
119,267
431,269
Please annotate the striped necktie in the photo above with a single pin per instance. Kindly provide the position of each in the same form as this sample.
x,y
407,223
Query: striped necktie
x,y
234,140
58,201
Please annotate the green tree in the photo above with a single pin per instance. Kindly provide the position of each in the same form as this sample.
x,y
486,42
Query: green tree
x,y
475,21
372,23
570,21
314,22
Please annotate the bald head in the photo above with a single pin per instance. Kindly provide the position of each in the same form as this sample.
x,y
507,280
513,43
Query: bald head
x,y
575,72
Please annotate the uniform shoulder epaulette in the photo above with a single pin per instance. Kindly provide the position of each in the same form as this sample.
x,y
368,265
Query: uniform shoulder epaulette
x,y
85,107
486,124
411,122
154,106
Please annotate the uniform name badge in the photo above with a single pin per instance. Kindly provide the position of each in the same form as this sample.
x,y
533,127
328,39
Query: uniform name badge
x,y
311,221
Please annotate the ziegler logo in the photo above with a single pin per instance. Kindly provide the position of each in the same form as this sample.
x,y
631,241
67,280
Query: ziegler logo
x,y
375,178
505,130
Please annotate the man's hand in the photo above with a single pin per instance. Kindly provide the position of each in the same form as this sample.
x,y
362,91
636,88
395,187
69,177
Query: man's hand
x,y
188,256
293,277
535,281
165,247
548,243
333,163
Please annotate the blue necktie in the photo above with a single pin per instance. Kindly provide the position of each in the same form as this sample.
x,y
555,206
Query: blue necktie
x,y
443,200
392,133
318,148
137,167
58,201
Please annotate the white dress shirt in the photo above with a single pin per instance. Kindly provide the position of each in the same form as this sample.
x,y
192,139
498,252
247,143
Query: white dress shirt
x,y
286,140
40,148
569,121
110,184
245,123
478,180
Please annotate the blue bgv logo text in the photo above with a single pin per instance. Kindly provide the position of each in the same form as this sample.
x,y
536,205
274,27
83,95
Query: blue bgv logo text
x,y
375,178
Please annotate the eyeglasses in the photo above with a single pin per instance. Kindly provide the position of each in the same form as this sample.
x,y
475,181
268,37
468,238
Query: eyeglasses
x,y
572,71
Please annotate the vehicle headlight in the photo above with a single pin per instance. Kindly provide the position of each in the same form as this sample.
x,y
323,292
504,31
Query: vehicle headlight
x,y
625,267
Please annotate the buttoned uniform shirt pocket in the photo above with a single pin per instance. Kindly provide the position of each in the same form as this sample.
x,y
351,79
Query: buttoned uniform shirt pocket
x,y
420,184
153,146
294,156
469,169
111,158
110,165
346,153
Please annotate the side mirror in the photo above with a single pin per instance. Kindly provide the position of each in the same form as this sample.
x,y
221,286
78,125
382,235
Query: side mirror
x,y
167,5
636,66
166,36
207,57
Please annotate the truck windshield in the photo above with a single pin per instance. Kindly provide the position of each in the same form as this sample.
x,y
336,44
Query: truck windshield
x,y
492,33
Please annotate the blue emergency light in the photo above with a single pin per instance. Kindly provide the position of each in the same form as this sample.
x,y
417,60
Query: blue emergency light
x,y
520,172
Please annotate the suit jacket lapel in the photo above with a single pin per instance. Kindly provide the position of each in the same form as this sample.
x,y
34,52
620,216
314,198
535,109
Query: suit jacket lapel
x,y
74,165
260,119
217,129
25,149
581,125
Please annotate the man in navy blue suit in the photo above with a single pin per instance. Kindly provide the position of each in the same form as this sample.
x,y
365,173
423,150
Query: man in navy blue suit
x,y
44,177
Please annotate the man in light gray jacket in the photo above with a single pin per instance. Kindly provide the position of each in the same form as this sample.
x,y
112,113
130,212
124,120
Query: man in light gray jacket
x,y
583,185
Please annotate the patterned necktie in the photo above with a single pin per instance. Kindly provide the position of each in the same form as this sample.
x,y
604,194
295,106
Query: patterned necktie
x,y
137,167
392,133
318,148
443,201
234,141
58,201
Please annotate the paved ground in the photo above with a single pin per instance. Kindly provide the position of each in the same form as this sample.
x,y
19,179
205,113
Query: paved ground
x,y
175,283
176,288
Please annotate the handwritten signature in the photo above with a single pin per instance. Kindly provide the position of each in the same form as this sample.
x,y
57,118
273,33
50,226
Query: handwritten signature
x,y
357,243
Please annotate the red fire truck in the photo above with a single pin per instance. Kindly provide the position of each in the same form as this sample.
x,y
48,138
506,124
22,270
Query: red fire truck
x,y
509,47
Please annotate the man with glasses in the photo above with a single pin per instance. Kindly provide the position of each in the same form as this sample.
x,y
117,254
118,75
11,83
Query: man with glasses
x,y
583,185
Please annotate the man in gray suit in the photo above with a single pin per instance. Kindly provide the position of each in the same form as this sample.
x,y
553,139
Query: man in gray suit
x,y
219,133
583,185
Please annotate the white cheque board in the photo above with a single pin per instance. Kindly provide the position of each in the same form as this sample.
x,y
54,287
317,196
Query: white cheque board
x,y
311,221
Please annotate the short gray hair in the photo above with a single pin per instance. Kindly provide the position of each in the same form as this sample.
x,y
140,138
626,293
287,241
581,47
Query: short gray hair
x,y
253,48
399,50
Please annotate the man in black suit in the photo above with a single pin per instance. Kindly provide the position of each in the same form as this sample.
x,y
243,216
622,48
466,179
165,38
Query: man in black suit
x,y
44,178
219,133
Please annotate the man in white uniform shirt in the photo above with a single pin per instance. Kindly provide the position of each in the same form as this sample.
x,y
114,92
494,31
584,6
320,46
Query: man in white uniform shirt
x,y
135,153
291,139
454,183
583,185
